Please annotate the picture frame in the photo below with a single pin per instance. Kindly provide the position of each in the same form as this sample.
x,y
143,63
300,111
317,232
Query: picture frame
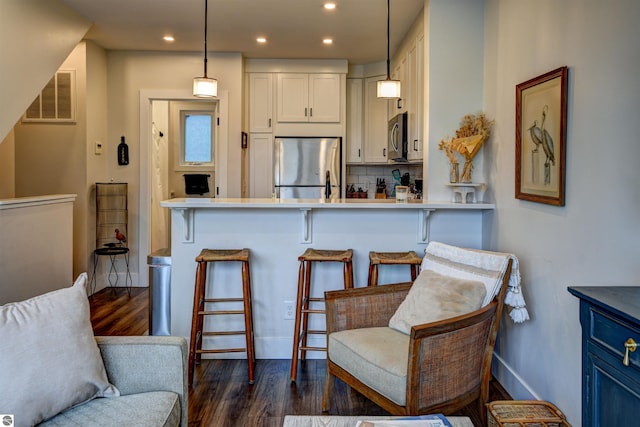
x,y
541,128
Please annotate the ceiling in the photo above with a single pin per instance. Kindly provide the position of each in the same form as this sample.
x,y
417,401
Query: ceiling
x,y
293,28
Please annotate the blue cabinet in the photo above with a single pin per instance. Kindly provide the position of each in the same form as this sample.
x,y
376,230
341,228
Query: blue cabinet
x,y
610,388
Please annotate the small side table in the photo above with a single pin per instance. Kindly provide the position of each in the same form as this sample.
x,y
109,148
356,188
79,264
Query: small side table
x,y
460,191
112,253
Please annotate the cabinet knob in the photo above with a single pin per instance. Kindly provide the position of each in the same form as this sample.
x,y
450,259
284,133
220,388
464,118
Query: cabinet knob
x,y
629,346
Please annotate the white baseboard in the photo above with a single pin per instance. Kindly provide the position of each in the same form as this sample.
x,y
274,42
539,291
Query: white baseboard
x,y
511,381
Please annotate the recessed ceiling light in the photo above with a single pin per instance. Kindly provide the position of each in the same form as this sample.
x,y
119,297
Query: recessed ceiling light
x,y
329,6
327,41
261,39
168,38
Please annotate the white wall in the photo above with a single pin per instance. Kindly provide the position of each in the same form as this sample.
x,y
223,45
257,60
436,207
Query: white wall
x,y
36,247
52,158
593,239
35,37
131,73
453,84
7,166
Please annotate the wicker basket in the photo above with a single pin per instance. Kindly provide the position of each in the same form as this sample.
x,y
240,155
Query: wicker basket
x,y
524,413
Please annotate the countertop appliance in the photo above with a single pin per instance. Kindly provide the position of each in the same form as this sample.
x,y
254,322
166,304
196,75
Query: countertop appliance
x,y
307,167
398,144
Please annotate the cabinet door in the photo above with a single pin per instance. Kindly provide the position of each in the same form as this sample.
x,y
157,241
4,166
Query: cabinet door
x,y
260,102
613,391
375,122
414,101
324,98
260,165
420,88
354,120
293,97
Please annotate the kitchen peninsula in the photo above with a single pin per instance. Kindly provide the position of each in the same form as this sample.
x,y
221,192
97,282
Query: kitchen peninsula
x,y
277,231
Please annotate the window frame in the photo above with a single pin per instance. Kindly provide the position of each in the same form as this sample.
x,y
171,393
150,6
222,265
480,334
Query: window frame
x,y
182,162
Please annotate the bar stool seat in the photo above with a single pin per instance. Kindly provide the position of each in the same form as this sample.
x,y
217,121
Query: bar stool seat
x,y
304,298
200,311
409,258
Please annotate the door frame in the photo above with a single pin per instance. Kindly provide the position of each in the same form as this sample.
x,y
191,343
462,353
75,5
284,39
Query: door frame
x,y
144,192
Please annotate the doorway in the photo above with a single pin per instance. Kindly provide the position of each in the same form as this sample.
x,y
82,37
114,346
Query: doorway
x,y
183,144
154,118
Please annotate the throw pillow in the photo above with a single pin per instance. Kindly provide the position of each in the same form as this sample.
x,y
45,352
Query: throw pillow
x,y
434,297
49,359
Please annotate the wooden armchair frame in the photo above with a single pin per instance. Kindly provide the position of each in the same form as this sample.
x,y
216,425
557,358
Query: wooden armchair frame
x,y
449,364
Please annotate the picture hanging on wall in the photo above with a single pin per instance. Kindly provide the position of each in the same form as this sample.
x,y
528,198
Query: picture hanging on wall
x,y
541,127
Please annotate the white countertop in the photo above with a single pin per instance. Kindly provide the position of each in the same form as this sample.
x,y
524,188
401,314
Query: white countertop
x,y
219,203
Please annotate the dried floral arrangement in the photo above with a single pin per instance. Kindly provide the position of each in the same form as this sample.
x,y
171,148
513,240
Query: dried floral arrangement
x,y
474,130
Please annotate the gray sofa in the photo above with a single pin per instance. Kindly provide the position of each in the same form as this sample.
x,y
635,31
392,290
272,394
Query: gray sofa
x,y
151,375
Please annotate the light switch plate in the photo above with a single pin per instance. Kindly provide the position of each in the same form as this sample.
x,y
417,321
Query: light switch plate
x,y
98,148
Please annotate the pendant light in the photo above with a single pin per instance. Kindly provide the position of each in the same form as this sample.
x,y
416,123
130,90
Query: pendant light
x,y
205,87
388,88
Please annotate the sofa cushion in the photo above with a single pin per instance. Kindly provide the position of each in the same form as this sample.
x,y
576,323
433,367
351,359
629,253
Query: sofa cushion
x,y
434,297
376,356
153,409
50,360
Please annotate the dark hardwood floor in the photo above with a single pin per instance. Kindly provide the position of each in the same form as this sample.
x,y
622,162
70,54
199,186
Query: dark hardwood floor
x,y
221,396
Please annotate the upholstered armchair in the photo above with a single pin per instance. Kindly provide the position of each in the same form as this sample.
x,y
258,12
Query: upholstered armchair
x,y
436,367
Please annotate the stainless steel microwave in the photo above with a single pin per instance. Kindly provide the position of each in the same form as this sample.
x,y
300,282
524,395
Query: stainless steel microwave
x,y
398,144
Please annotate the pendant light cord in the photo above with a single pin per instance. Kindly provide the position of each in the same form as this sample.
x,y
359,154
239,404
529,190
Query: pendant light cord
x,y
206,4
388,54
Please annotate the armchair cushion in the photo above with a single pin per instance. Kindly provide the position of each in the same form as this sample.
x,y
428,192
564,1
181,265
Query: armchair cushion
x,y
375,356
433,297
51,360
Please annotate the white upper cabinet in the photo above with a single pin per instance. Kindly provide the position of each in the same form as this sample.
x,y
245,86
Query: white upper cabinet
x,y
308,97
260,102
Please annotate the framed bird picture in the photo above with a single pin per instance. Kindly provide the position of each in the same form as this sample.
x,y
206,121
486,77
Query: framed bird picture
x,y
541,127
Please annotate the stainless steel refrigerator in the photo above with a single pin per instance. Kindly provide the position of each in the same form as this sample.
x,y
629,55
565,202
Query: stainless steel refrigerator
x,y
307,168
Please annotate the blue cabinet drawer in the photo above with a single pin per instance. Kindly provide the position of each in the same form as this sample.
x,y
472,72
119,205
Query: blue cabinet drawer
x,y
611,333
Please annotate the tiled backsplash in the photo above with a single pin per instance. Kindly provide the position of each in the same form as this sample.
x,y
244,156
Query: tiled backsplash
x,y
366,176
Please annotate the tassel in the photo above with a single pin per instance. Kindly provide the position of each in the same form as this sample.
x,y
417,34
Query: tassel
x,y
519,315
514,298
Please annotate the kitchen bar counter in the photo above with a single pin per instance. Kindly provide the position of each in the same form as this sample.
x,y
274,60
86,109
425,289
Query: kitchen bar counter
x,y
218,203
277,231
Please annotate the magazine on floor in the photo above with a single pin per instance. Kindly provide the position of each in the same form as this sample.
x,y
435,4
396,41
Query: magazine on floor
x,y
433,420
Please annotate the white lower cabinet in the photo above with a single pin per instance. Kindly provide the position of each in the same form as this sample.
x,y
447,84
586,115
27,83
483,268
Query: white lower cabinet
x,y
260,165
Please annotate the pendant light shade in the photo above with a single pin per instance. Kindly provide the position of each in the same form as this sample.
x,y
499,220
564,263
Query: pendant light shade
x,y
205,87
388,88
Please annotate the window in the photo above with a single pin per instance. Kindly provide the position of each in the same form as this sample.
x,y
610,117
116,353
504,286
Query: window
x,y
56,102
197,138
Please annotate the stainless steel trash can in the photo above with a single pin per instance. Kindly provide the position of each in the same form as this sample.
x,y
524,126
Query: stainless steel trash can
x,y
160,292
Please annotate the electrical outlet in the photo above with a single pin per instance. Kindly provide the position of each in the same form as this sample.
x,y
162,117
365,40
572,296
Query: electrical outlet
x,y
288,309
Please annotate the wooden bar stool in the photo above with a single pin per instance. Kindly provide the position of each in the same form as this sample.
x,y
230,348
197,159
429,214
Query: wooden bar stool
x,y
200,311
304,298
398,258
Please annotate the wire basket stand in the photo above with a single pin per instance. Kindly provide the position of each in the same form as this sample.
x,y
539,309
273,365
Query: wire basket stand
x,y
111,232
